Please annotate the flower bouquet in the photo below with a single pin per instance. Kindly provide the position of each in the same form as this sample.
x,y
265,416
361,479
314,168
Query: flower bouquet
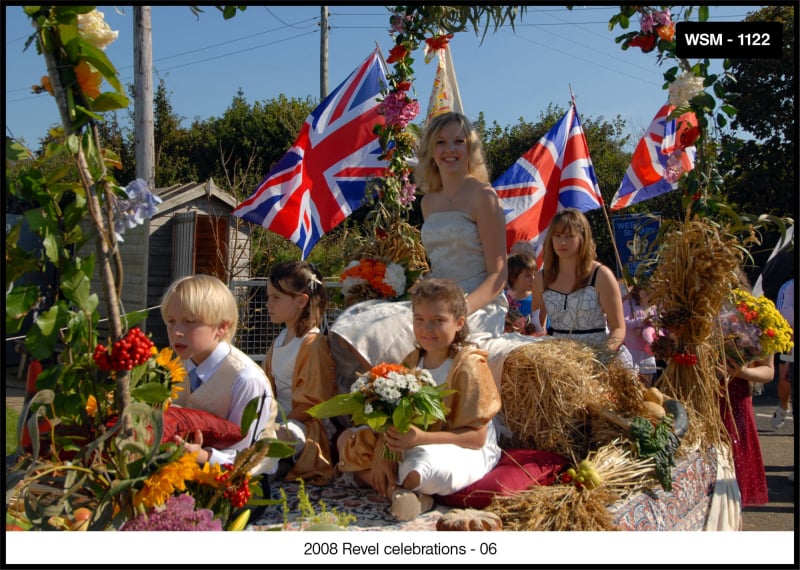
x,y
371,278
389,395
752,327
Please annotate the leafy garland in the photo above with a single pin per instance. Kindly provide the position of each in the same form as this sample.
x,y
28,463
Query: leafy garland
x,y
392,196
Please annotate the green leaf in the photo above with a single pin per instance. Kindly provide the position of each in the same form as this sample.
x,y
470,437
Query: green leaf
x,y
41,339
109,101
73,143
702,13
76,286
19,302
249,414
376,423
402,415
339,405
150,393
16,151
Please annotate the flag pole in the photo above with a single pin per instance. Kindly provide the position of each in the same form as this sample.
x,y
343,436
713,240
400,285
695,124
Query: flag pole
x,y
605,212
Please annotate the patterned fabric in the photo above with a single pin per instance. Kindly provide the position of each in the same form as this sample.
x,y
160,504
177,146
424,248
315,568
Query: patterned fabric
x,y
322,177
576,312
660,150
556,173
683,509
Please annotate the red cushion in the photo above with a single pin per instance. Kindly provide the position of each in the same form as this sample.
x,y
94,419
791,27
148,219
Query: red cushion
x,y
218,432
517,470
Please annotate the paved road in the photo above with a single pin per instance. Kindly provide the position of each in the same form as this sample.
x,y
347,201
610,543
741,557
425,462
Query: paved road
x,y
777,446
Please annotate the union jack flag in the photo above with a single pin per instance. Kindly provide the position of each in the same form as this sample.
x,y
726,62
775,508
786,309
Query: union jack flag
x,y
322,178
556,173
658,161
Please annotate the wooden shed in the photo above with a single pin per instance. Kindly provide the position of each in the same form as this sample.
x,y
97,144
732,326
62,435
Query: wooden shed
x,y
192,232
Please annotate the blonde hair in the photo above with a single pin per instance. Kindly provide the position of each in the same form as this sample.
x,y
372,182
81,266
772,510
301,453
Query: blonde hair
x,y
573,220
426,174
206,299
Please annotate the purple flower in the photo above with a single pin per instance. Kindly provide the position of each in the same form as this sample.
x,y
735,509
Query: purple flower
x,y
407,191
138,207
176,514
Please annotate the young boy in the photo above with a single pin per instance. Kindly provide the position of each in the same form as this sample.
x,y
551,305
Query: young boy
x,y
521,274
201,317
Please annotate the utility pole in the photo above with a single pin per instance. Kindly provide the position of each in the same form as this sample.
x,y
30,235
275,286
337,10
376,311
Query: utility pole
x,y
143,95
323,52
137,240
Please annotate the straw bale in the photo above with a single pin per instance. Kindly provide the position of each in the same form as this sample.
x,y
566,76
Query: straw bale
x,y
556,507
547,389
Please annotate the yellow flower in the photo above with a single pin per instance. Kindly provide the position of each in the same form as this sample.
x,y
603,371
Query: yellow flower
x,y
207,475
167,360
91,405
88,79
170,478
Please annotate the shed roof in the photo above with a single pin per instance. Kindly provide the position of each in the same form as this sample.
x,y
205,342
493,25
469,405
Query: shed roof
x,y
179,195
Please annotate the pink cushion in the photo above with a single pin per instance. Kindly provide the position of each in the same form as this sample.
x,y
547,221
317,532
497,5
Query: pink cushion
x,y
517,470
218,432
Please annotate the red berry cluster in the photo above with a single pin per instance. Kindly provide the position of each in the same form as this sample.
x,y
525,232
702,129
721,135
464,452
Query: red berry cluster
x,y
238,496
132,350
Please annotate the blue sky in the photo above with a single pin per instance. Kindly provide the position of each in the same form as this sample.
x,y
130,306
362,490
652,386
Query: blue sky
x,y
268,51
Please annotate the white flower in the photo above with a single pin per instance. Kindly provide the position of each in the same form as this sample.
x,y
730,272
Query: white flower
x,y
93,28
395,278
684,89
359,385
367,408
351,282
425,377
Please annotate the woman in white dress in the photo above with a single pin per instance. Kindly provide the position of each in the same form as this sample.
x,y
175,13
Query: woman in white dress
x,y
464,238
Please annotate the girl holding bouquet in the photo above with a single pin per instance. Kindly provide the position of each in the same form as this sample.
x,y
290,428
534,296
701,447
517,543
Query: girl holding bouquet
x,y
736,407
452,454
300,367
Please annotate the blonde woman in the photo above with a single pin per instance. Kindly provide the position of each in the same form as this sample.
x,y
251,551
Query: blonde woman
x,y
464,238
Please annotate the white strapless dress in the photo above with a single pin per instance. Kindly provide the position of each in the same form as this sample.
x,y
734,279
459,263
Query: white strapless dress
x,y
381,331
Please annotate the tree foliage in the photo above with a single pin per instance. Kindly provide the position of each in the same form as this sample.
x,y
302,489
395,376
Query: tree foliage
x,y
762,167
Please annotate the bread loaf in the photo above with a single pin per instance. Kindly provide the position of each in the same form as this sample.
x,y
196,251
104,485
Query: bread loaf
x,y
469,519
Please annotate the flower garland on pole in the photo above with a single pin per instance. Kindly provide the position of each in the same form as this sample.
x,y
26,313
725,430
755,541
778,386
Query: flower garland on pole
x,y
687,84
391,197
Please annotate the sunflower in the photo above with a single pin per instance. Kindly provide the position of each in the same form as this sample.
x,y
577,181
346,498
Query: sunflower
x,y
172,477
168,360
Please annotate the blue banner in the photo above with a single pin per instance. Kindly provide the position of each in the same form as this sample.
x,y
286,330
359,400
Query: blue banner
x,y
635,235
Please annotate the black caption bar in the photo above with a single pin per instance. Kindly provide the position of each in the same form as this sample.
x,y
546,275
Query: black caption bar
x,y
745,40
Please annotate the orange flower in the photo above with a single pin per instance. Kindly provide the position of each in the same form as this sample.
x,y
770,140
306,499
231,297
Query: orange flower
x,y
383,369
88,79
666,33
91,405
46,84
